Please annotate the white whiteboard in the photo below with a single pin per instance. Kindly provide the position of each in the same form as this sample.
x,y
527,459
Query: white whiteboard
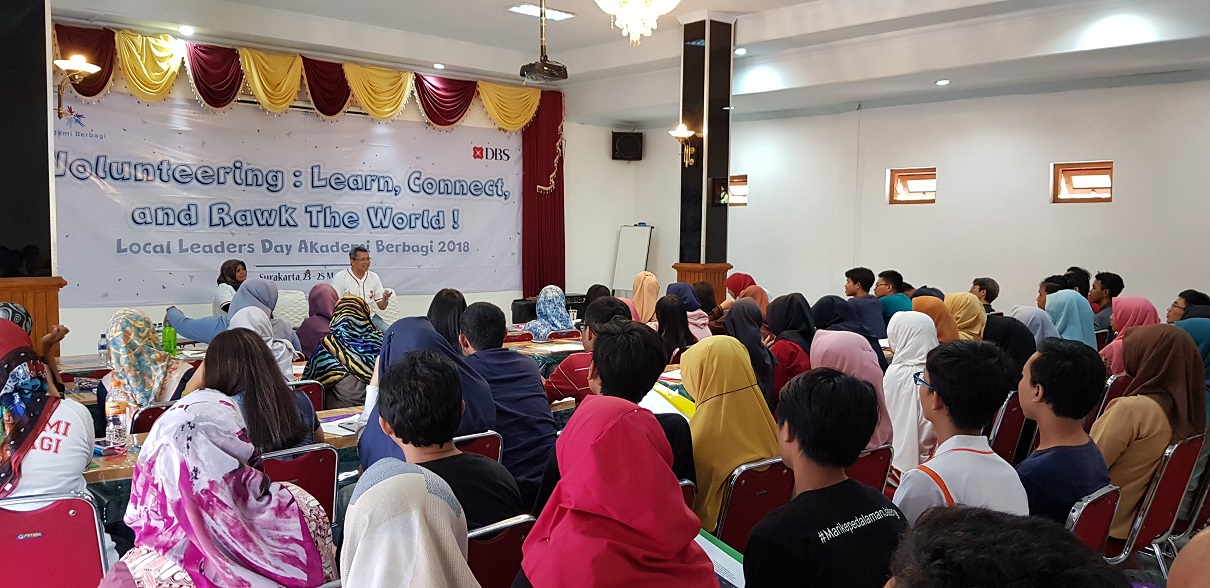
x,y
634,242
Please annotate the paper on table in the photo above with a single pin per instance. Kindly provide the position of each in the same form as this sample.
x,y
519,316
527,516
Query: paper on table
x,y
728,567
672,375
884,343
299,368
656,403
557,347
334,428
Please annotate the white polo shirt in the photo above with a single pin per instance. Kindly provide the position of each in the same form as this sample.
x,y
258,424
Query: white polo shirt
x,y
964,470
369,288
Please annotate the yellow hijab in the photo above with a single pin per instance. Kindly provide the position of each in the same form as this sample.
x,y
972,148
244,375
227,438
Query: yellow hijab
x,y
732,425
646,293
968,313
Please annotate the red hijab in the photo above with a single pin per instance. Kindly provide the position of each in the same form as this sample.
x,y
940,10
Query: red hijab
x,y
617,516
736,283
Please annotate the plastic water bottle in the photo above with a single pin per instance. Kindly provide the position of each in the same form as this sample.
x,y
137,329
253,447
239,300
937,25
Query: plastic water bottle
x,y
103,351
169,339
115,420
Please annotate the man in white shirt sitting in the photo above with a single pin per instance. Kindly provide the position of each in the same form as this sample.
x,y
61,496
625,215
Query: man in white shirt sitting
x,y
963,386
359,281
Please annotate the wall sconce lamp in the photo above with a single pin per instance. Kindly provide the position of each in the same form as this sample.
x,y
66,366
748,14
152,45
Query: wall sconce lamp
x,y
74,70
683,134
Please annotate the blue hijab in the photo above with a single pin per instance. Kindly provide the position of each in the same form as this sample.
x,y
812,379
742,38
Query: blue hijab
x,y
410,334
687,295
1073,316
254,292
1199,329
552,313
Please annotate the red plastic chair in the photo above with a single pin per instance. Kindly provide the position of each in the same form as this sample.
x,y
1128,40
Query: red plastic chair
x,y
487,443
568,334
59,544
1199,515
310,467
1092,516
520,337
1153,525
751,493
1102,338
1114,389
146,417
314,391
689,491
1006,433
873,468
494,551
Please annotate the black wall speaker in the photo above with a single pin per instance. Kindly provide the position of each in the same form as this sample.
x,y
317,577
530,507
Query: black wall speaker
x,y
627,146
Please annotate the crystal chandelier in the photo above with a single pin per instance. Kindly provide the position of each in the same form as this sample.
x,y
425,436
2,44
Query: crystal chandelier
x,y
636,18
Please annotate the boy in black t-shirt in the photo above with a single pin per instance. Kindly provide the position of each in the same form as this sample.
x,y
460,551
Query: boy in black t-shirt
x,y
1061,383
420,406
836,531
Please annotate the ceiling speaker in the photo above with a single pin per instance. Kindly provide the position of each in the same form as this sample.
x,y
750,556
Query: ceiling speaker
x,y
627,146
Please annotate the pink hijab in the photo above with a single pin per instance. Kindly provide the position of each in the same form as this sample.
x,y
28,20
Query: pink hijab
x,y
199,499
851,353
322,302
1128,311
634,312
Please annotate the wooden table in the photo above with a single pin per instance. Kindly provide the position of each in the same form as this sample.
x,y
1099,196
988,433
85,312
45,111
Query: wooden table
x,y
108,469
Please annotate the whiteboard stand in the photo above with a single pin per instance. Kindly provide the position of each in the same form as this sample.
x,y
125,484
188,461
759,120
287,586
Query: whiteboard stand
x,y
634,244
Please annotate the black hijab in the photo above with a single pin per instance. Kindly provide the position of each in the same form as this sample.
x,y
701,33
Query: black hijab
x,y
790,319
833,313
743,322
705,296
1013,337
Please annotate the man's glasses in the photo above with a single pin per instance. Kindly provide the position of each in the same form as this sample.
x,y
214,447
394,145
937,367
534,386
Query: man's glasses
x,y
920,381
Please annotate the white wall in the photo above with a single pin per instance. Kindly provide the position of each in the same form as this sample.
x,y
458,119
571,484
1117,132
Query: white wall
x,y
818,202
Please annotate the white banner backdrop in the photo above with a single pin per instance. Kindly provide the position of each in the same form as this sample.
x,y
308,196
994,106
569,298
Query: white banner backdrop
x,y
151,199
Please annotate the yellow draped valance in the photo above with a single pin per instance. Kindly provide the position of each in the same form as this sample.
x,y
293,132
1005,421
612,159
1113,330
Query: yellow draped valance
x,y
149,64
510,107
381,92
274,78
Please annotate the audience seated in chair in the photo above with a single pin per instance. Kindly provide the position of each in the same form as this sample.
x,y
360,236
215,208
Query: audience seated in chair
x,y
857,285
523,416
143,373
911,336
824,421
570,377
789,337
963,385
253,292
1105,288
987,290
344,359
321,304
224,524
420,406
1061,383
1164,403
889,290
969,547
627,359
404,527
445,313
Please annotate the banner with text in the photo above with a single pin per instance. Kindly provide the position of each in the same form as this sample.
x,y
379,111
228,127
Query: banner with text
x,y
151,199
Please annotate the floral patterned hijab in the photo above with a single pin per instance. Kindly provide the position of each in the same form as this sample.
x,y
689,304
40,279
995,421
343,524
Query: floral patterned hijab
x,y
142,369
25,406
552,313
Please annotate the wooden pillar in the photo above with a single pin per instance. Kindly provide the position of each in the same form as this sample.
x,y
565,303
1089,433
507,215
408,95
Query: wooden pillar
x,y
706,58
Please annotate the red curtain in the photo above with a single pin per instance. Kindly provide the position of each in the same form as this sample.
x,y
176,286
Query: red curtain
x,y
216,73
543,247
327,86
97,46
444,101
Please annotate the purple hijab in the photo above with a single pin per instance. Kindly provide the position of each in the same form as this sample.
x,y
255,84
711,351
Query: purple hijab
x,y
322,302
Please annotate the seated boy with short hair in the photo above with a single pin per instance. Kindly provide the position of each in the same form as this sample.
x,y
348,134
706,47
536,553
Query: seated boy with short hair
x,y
1062,383
963,385
420,406
570,377
836,531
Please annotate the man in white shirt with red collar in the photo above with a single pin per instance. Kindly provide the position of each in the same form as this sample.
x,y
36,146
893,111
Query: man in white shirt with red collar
x,y
359,281
963,386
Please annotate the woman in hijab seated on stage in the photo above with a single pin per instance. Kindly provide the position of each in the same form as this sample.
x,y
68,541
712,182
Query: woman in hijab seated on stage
x,y
617,516
204,514
344,359
254,292
230,277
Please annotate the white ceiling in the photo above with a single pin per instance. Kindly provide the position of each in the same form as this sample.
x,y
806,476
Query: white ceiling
x,y
804,57
488,22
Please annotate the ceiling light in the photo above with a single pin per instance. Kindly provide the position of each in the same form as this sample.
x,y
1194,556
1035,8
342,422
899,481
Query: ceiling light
x,y
438,66
741,52
636,19
186,30
534,10
943,82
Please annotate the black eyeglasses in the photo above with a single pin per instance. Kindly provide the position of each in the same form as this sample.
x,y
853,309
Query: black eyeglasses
x,y
920,381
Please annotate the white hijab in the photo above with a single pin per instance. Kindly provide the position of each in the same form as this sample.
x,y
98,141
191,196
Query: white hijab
x,y
911,335
254,319
1038,321
404,528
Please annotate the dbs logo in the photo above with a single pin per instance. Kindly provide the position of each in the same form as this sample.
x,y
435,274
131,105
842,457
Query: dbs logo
x,y
490,153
